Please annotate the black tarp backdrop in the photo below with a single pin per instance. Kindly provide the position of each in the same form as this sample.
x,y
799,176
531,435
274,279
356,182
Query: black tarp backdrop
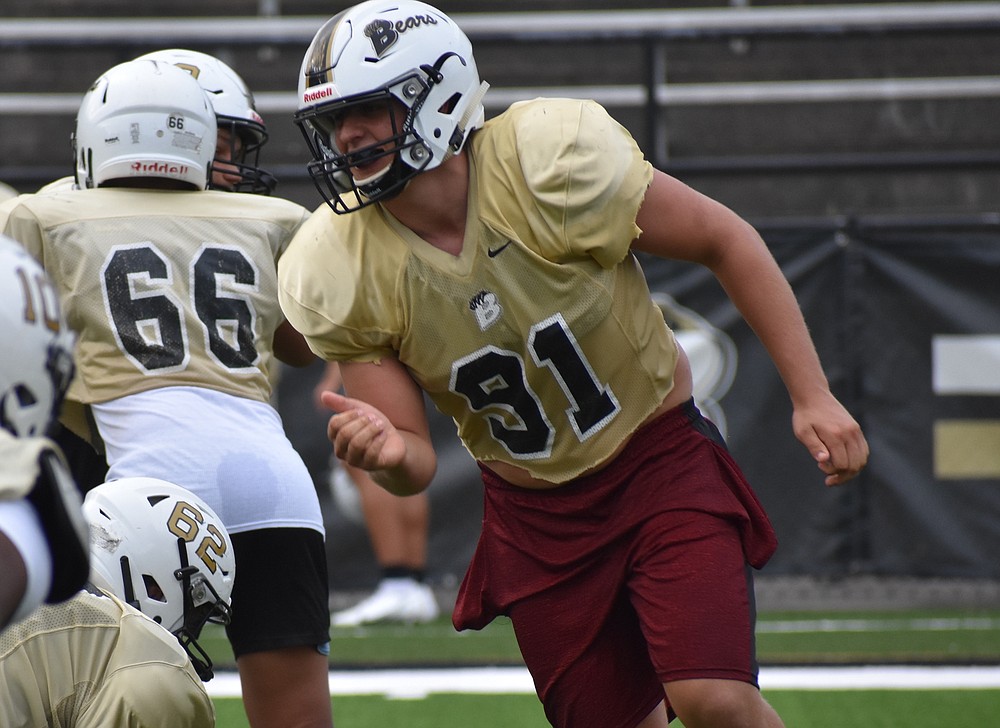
x,y
920,283
875,293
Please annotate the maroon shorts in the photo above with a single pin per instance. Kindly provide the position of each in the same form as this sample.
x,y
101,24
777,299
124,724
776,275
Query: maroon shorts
x,y
627,578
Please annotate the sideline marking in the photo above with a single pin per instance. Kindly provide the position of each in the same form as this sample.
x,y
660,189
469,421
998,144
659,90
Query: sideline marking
x,y
920,624
415,684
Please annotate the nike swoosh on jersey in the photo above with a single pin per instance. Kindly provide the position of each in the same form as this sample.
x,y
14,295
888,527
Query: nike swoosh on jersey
x,y
494,252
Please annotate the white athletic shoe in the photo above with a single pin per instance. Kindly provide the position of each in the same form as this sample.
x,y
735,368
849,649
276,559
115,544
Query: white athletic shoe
x,y
395,600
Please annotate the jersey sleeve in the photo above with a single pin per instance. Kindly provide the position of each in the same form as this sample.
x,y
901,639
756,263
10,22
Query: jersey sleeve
x,y
151,695
5,208
293,226
587,176
18,222
149,682
321,293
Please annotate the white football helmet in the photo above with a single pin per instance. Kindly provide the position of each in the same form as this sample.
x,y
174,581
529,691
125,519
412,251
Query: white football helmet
x,y
158,547
144,119
235,111
36,362
378,52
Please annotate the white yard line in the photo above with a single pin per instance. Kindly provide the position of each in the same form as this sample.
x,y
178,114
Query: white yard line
x,y
413,684
880,677
922,624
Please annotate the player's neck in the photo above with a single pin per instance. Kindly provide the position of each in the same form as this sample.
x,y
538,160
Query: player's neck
x,y
434,204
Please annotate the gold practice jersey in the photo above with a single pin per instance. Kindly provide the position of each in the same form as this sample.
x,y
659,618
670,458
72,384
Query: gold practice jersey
x,y
165,287
92,662
540,338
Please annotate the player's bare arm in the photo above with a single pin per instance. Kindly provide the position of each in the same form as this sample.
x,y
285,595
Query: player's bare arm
x,y
329,381
291,347
679,222
382,427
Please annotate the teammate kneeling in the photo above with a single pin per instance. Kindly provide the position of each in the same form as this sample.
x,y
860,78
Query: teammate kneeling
x,y
124,650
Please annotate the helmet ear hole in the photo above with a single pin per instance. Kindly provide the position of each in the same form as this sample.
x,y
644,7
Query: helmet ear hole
x,y
448,106
25,397
153,590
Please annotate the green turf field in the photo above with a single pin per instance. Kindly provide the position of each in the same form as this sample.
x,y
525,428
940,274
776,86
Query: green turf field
x,y
879,638
799,709
785,638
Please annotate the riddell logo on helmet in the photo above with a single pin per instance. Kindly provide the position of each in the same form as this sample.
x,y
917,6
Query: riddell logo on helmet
x,y
160,168
310,96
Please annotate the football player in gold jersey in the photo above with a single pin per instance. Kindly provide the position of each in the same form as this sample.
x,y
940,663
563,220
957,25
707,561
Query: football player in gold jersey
x,y
491,264
124,651
172,290
43,538
241,133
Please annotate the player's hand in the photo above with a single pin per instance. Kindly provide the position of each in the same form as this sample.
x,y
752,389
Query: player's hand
x,y
361,435
833,438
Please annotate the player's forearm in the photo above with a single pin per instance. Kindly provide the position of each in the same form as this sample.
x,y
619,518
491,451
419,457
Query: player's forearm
x,y
764,297
414,473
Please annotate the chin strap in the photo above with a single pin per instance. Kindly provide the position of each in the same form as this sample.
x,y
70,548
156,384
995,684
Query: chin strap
x,y
455,143
193,618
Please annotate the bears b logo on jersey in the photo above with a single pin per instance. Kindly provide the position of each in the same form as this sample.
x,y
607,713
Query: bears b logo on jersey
x,y
486,308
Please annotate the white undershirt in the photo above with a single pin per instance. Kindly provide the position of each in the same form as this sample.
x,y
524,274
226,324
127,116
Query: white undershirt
x,y
231,451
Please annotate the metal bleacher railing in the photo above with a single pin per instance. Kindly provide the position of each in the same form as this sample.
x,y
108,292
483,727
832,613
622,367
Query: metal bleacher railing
x,y
651,29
